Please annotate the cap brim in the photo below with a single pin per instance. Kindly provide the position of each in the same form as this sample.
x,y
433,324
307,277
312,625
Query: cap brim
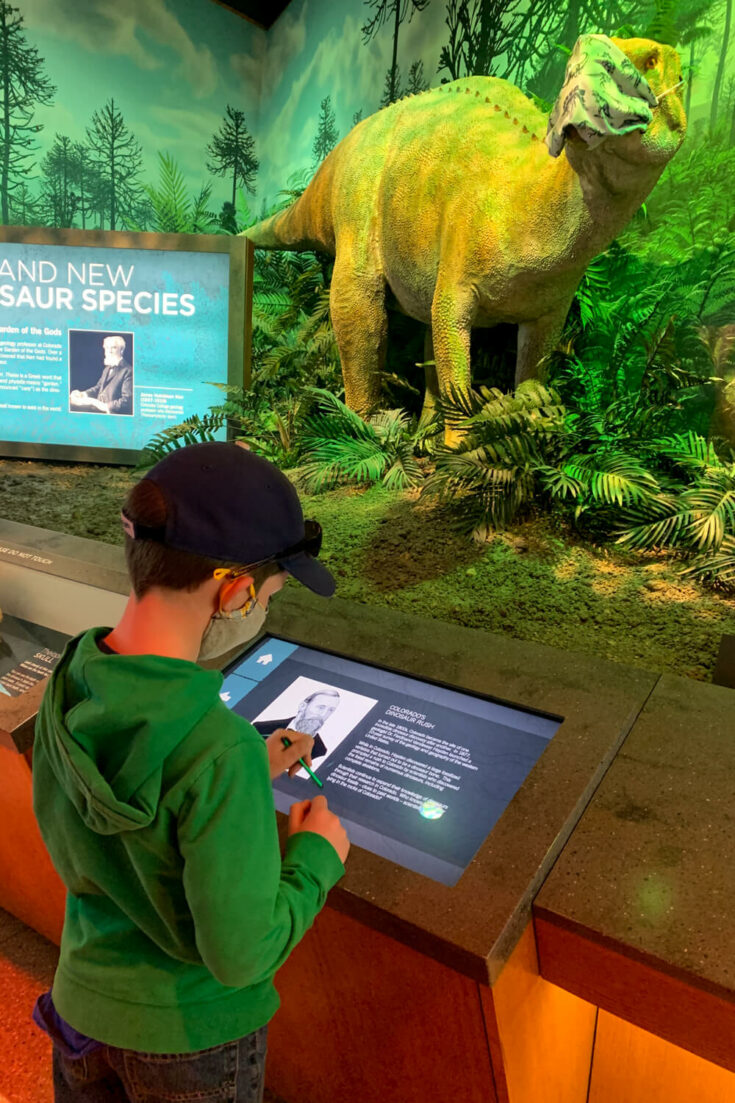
x,y
310,573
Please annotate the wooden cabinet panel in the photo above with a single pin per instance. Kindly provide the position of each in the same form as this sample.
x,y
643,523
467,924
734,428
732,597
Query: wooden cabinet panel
x,y
368,1019
30,888
633,1066
540,1036
671,1007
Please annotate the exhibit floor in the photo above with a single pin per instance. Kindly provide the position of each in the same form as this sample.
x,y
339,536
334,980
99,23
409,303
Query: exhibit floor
x,y
27,963
538,582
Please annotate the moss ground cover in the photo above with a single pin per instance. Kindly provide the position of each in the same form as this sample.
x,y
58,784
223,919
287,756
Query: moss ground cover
x,y
538,581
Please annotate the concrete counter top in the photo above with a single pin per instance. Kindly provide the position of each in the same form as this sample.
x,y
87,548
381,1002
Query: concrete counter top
x,y
637,914
473,926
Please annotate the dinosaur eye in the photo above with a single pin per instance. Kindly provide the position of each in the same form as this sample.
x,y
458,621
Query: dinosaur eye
x,y
650,62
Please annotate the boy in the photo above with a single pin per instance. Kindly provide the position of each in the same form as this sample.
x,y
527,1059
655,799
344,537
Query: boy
x,y
156,806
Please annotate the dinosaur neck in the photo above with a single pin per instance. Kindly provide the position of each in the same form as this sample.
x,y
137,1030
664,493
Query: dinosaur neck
x,y
607,192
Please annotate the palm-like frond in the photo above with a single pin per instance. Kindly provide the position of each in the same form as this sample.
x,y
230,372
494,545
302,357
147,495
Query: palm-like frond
x,y
194,430
173,211
712,502
341,446
491,473
717,567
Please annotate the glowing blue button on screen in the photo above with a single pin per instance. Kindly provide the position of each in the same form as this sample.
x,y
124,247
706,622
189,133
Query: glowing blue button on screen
x,y
263,662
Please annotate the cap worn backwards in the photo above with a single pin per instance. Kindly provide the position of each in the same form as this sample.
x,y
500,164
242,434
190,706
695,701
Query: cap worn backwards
x,y
224,502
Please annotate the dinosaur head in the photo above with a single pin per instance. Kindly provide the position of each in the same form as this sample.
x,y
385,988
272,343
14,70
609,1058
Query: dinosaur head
x,y
661,66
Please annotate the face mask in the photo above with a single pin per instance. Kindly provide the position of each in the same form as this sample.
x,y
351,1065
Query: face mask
x,y
226,631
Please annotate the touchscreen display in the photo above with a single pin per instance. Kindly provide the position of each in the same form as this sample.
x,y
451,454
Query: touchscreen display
x,y
28,653
418,773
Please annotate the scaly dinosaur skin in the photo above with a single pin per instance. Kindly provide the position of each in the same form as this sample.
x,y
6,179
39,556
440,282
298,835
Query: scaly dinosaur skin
x,y
451,199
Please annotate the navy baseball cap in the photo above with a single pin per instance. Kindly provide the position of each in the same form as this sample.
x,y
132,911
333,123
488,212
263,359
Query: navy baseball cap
x,y
227,503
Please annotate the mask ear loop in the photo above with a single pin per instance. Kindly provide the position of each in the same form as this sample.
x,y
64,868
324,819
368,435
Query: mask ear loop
x,y
245,609
668,91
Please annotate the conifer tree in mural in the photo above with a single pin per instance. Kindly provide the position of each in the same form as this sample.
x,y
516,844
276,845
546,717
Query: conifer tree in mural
x,y
694,34
58,194
417,82
232,152
479,33
719,76
88,183
327,134
24,85
395,12
117,157
72,190
25,209
392,86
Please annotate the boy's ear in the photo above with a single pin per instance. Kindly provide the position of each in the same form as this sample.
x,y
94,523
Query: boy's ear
x,y
235,592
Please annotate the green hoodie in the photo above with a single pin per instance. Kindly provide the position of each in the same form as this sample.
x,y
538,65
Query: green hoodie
x,y
155,803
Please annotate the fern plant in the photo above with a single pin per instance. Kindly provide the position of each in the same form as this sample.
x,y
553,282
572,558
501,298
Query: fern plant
x,y
171,209
492,473
694,513
339,446
195,430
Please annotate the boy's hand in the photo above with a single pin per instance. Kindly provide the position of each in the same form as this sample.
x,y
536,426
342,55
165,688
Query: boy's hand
x,y
287,758
313,815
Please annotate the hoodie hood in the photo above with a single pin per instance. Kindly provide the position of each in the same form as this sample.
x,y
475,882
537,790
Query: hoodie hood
x,y
107,728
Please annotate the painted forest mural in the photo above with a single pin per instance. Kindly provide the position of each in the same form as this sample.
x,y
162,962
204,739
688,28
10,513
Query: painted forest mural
x,y
212,124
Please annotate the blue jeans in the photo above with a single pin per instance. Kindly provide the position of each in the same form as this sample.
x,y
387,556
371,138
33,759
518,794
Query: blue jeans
x,y
230,1073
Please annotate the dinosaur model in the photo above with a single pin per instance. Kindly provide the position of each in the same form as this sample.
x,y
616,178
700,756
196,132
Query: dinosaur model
x,y
451,201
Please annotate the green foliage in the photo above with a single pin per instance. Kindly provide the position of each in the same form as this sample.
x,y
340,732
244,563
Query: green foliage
x,y
664,26
693,514
232,152
492,473
327,134
195,430
24,85
479,34
172,209
339,446
637,362
117,156
671,493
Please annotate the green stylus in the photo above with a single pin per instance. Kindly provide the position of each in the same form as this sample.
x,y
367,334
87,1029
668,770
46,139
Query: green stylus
x,y
287,743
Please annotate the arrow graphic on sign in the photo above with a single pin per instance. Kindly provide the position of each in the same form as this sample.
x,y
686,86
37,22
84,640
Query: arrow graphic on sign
x,y
265,659
225,696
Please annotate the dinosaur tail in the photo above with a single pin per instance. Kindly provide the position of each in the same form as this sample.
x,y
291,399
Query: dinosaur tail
x,y
306,224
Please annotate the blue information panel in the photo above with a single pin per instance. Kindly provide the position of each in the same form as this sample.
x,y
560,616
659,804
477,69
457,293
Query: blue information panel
x,y
106,347
418,773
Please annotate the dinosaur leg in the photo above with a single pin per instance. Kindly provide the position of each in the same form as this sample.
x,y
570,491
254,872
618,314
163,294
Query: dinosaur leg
x,y
357,307
431,394
451,325
535,341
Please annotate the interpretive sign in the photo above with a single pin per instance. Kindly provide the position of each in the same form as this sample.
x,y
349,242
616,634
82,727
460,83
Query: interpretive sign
x,y
418,772
105,347
28,654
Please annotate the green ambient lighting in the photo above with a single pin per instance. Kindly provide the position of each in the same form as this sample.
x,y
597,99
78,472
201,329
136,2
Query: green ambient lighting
x,y
432,810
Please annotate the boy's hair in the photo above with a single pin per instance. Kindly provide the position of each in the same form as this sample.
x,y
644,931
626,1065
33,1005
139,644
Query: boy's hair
x,y
151,563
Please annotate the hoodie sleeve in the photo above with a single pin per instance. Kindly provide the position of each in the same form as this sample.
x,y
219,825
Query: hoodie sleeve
x,y
249,908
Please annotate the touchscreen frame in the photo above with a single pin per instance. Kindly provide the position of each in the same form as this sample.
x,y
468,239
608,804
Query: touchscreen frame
x,y
505,702
380,843
240,309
